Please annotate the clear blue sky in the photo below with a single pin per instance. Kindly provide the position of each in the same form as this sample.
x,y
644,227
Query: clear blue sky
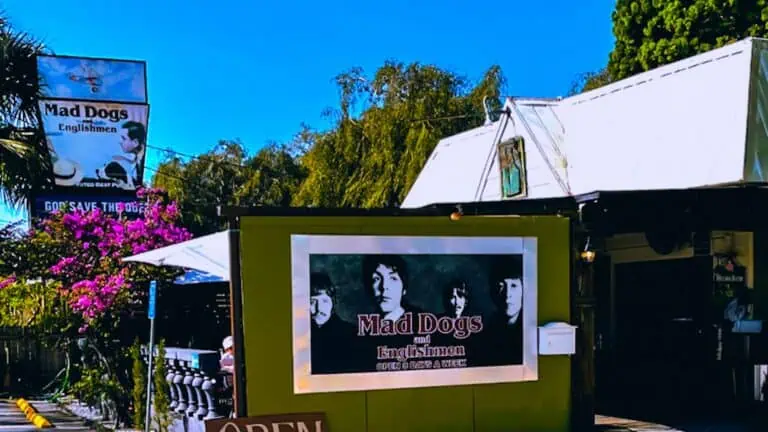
x,y
223,70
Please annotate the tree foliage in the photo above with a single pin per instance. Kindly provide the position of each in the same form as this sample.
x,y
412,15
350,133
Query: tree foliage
x,y
138,392
227,175
24,160
385,128
160,390
590,81
651,33
28,300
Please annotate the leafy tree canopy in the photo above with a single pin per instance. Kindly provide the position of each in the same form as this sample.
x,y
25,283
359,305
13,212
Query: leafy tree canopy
x,y
590,81
385,128
227,175
652,33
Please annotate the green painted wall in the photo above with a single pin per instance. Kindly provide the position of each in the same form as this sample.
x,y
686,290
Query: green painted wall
x,y
543,405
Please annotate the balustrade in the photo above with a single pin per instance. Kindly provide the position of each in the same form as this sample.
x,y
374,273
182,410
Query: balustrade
x,y
198,390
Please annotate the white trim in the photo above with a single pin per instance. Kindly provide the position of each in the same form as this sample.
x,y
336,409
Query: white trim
x,y
302,246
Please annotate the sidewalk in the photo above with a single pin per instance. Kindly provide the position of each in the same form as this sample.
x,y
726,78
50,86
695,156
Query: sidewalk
x,y
13,420
617,424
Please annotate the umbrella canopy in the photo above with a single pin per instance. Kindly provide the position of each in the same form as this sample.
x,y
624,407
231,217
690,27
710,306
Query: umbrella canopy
x,y
209,254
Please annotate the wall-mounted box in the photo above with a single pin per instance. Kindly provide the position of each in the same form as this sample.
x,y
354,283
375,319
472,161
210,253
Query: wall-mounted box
x,y
557,338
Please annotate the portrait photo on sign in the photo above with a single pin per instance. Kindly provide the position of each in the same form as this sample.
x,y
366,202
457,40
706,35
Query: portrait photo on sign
x,y
96,144
512,167
395,312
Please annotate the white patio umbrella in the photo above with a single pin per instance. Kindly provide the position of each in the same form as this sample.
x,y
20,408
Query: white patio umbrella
x,y
209,254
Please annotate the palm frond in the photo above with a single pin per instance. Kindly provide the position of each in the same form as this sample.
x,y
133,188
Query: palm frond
x,y
18,147
24,157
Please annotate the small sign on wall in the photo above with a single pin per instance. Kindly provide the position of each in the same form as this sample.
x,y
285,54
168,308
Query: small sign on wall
x,y
514,175
309,422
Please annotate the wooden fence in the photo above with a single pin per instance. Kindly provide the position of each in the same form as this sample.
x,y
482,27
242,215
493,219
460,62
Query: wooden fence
x,y
189,316
26,362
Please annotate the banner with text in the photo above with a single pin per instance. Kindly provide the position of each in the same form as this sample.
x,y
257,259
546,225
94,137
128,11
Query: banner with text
x,y
130,207
96,144
389,312
92,79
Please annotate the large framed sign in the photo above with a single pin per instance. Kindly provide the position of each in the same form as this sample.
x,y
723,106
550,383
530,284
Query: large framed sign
x,y
108,80
96,144
384,312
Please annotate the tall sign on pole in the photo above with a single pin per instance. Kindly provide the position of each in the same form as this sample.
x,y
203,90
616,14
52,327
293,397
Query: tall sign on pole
x,y
94,113
150,350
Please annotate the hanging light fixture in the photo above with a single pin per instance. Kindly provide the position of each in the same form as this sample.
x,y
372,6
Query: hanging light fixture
x,y
588,255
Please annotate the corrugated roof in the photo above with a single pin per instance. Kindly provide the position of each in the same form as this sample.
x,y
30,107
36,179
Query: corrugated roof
x,y
454,169
678,126
682,125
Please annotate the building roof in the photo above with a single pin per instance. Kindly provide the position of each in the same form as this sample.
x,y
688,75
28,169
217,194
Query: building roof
x,y
678,126
465,167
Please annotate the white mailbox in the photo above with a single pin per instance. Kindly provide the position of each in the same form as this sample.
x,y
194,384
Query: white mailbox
x,y
557,338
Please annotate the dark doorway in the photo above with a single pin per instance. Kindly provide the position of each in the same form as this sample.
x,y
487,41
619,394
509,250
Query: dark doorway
x,y
661,358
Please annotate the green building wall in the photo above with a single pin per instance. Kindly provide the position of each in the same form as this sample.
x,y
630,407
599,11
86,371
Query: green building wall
x,y
543,405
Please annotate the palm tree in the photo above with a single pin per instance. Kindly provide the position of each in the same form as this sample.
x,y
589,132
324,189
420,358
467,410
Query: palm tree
x,y
24,159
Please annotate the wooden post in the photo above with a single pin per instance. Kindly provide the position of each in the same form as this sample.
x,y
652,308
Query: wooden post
x,y
583,316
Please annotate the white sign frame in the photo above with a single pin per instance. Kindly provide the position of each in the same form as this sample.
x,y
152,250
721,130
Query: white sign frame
x,y
302,246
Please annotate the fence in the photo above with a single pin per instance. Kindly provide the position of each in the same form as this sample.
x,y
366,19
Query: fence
x,y
26,363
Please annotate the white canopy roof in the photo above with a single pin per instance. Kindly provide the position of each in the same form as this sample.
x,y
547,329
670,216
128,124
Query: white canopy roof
x,y
209,254
683,125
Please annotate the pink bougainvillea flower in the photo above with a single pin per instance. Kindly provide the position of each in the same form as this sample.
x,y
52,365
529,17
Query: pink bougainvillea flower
x,y
94,280
5,283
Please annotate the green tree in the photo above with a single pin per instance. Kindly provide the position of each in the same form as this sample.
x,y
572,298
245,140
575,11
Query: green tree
x,y
138,392
161,391
227,175
386,126
200,184
24,159
590,81
651,33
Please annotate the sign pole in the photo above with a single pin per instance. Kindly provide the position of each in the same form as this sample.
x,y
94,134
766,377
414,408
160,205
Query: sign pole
x,y
150,350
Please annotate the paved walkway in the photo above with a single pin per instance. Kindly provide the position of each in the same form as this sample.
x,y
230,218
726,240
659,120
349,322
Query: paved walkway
x,y
617,424
13,420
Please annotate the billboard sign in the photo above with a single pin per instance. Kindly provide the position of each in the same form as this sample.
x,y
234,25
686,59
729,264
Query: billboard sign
x,y
373,312
130,207
96,144
92,79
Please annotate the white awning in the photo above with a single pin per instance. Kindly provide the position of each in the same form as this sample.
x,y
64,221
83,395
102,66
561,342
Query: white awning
x,y
209,254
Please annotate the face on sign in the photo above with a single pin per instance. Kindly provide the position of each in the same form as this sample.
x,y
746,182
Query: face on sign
x,y
388,287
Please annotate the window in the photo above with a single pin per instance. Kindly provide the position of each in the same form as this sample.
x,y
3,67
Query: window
x,y
512,167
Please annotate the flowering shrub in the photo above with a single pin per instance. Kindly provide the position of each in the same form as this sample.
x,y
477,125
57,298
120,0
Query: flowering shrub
x,y
93,278
7,281
67,278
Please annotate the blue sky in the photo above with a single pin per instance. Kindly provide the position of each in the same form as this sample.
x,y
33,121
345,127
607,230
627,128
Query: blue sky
x,y
256,70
